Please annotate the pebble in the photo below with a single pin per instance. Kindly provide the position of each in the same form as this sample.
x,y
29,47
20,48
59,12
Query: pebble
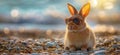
x,y
9,48
65,54
79,54
4,54
45,53
38,47
12,42
78,51
51,44
117,38
24,43
72,54
37,43
117,51
35,54
58,51
100,52
116,46
102,48
18,48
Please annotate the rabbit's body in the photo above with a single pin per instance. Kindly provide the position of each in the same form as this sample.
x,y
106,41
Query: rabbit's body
x,y
78,35
80,38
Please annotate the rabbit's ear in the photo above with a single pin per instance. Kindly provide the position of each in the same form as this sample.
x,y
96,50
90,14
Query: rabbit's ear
x,y
72,9
85,10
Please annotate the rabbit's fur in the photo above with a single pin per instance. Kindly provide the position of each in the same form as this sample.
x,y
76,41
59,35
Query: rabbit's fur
x,y
78,35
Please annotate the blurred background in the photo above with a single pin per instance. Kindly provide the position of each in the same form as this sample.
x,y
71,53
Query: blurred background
x,y
50,14
36,26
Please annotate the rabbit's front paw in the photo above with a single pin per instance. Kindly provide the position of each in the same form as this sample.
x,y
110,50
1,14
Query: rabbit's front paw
x,y
72,48
84,47
66,48
90,49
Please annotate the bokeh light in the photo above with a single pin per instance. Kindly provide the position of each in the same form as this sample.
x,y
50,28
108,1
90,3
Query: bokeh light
x,y
94,3
108,5
6,30
15,13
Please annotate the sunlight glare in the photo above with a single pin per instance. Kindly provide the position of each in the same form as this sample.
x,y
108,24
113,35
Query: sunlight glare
x,y
108,5
93,3
14,13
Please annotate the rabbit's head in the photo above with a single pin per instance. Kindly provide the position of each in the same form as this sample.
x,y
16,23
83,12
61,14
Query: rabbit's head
x,y
77,19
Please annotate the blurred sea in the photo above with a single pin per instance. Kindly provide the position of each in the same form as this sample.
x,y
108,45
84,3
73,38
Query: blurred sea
x,y
30,26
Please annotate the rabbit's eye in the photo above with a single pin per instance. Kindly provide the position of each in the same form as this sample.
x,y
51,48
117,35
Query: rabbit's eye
x,y
76,21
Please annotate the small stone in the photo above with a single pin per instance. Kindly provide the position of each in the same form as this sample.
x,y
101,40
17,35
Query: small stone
x,y
102,48
4,54
78,51
24,43
72,54
52,54
35,54
80,54
85,52
17,48
37,43
9,48
11,42
39,47
117,51
57,46
115,46
34,49
45,53
58,51
100,52
66,51
51,44
65,54
51,49
117,38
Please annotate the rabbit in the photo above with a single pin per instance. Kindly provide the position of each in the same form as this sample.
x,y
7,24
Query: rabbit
x,y
78,35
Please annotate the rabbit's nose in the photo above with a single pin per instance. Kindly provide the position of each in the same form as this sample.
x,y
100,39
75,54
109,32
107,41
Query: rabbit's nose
x,y
70,27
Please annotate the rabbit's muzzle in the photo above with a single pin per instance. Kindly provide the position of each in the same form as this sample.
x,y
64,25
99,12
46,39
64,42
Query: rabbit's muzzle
x,y
72,26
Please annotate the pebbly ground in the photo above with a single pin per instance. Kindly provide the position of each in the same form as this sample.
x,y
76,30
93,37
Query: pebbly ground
x,y
51,43
30,46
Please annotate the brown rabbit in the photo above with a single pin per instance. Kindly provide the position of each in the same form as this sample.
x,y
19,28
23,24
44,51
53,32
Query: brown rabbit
x,y
78,34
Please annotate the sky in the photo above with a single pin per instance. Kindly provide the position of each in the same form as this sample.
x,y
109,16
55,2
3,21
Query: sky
x,y
31,5
32,10
52,10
